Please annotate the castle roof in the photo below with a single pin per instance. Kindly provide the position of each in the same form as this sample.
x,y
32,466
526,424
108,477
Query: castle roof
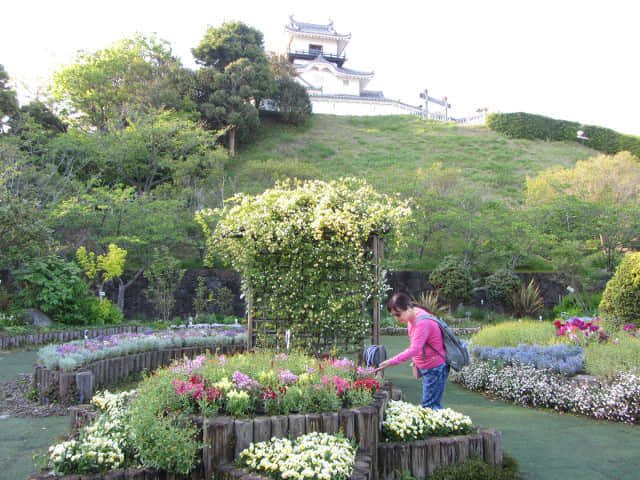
x,y
333,66
314,29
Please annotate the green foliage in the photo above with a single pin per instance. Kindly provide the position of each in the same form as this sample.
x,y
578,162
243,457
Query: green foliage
x,y
163,441
514,333
292,101
102,268
8,97
621,353
452,281
104,86
103,312
621,298
527,301
501,286
163,277
56,287
235,79
200,298
477,469
230,42
23,233
222,297
303,250
538,127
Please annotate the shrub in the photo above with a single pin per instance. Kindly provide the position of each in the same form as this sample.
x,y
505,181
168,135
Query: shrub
x,y
57,288
538,127
621,354
477,469
452,281
104,312
621,298
512,334
501,286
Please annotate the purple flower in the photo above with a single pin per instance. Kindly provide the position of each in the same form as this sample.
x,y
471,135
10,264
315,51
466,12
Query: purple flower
x,y
286,377
242,381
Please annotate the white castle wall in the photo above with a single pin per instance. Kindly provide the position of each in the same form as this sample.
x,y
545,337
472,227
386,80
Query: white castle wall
x,y
360,107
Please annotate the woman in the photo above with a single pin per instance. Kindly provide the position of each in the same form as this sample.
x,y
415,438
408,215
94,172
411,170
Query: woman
x,y
431,362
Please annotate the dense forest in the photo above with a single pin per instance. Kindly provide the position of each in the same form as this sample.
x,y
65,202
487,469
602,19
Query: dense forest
x,y
107,170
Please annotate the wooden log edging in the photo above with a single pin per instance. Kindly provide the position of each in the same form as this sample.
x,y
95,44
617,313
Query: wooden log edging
x,y
79,385
128,474
63,336
420,458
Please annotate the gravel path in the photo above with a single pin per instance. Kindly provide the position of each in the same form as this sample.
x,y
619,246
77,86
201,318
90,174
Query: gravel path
x,y
15,401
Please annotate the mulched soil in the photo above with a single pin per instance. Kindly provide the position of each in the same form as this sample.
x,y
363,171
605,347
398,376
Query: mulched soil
x,y
15,401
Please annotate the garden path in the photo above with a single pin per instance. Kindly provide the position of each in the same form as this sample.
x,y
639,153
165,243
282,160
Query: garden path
x,y
548,445
21,437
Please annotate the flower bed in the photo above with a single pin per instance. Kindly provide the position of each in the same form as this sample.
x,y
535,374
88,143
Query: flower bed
x,y
77,353
617,400
561,358
106,444
257,383
314,456
405,422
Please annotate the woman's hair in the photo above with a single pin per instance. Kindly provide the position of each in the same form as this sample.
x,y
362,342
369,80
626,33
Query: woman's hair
x,y
400,302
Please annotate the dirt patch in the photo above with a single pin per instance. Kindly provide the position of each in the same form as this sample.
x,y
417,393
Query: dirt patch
x,y
15,400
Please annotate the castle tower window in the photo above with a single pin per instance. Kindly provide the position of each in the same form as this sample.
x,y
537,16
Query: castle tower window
x,y
315,49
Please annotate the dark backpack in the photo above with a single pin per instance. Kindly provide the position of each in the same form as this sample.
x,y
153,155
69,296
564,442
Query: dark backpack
x,y
457,350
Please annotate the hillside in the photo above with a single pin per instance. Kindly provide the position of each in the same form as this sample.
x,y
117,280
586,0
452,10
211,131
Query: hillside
x,y
388,151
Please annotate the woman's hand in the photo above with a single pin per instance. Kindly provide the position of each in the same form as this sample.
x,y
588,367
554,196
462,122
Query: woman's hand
x,y
382,366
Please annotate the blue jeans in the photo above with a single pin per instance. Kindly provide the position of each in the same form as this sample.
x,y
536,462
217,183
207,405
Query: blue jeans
x,y
433,382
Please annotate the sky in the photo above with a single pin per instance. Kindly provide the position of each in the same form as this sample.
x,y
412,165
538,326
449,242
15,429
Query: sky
x,y
566,59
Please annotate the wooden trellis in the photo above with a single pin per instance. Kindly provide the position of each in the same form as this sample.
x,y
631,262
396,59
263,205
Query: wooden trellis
x,y
265,330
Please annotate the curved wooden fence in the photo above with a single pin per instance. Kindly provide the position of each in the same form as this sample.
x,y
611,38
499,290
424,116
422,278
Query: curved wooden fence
x,y
44,338
79,385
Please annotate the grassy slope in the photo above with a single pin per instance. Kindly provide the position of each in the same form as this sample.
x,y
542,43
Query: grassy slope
x,y
388,150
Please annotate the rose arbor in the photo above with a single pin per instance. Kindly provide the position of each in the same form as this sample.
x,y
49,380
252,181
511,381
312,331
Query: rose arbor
x,y
309,255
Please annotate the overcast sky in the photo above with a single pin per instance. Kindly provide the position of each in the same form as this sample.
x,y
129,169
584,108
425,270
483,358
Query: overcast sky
x,y
567,59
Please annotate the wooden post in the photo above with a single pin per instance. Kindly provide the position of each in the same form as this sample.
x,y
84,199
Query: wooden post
x,y
250,344
378,254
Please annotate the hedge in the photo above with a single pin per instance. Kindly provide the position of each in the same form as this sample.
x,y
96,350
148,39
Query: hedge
x,y
538,127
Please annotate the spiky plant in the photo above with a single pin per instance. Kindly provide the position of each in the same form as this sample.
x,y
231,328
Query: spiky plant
x,y
431,302
526,301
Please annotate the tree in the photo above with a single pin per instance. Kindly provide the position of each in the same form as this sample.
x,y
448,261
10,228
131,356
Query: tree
x,y
24,235
232,41
291,101
102,268
102,86
138,223
605,186
8,99
235,78
452,281
155,149
163,276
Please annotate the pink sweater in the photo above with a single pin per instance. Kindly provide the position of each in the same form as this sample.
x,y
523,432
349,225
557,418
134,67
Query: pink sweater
x,y
420,332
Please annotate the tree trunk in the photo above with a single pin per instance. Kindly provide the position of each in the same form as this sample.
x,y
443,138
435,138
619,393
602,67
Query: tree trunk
x,y
232,141
123,286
